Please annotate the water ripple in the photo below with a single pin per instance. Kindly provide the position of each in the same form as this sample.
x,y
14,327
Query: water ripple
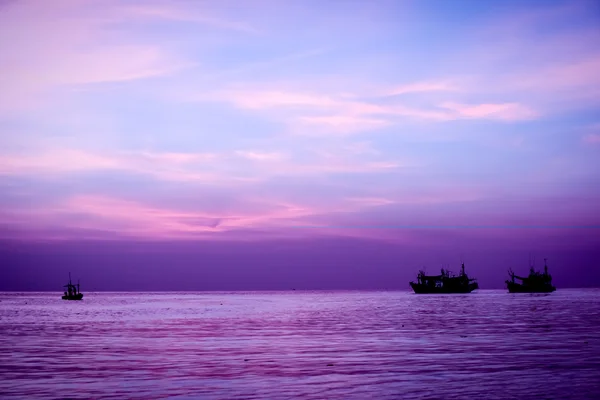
x,y
301,345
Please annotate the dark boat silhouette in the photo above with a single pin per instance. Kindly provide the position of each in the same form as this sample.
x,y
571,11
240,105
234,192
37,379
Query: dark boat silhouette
x,y
72,292
536,282
445,283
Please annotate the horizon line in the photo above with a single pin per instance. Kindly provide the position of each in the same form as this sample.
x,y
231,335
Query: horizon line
x,y
448,226
274,290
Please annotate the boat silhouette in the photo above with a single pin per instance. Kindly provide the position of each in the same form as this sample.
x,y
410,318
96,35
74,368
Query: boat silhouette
x,y
445,283
72,292
536,282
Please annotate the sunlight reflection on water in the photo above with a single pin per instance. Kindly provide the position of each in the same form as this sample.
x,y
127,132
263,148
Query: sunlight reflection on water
x,y
307,345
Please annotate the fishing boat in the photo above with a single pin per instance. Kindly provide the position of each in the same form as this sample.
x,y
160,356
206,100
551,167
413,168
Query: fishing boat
x,y
72,292
536,282
445,283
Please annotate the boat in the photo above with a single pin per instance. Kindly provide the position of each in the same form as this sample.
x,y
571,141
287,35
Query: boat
x,y
445,283
536,282
72,292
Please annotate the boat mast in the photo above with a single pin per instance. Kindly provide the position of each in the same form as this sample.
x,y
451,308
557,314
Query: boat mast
x,y
531,266
71,286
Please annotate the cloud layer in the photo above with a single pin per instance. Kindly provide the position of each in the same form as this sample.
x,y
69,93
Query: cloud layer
x,y
203,121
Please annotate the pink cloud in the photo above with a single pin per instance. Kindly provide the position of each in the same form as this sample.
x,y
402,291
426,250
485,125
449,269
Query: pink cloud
x,y
370,201
344,123
97,217
165,166
84,213
224,169
318,114
592,138
442,195
91,215
271,99
310,113
252,218
503,111
279,164
425,114
56,161
77,49
177,158
422,87
344,105
260,156
333,167
567,76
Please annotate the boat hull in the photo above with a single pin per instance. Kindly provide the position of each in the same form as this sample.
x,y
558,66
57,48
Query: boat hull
x,y
516,288
425,289
78,296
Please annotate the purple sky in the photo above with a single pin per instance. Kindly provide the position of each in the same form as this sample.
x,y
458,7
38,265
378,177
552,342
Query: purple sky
x,y
279,144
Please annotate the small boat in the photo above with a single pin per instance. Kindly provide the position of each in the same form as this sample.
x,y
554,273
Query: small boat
x,y
536,282
445,283
72,292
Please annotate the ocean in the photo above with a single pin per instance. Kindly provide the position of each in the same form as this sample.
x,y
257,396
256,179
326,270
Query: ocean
x,y
301,345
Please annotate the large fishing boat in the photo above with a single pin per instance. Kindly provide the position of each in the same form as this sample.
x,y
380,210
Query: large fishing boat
x,y
536,282
72,292
445,283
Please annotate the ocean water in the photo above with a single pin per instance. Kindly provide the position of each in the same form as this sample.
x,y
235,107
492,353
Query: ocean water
x,y
301,345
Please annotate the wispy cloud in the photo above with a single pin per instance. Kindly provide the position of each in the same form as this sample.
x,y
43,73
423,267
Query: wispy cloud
x,y
260,156
218,169
109,217
56,160
82,214
343,123
545,57
505,111
592,138
59,161
370,201
80,46
175,12
423,87
348,113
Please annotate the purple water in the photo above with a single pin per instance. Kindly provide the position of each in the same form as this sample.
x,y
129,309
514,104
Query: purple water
x,y
301,345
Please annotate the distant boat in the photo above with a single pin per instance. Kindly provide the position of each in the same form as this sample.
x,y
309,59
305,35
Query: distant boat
x,y
72,292
445,283
536,282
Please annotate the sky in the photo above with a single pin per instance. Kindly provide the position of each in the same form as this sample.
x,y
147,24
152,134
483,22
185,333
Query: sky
x,y
227,145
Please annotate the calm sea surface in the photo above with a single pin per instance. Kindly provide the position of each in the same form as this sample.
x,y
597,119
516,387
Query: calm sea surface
x,y
301,345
